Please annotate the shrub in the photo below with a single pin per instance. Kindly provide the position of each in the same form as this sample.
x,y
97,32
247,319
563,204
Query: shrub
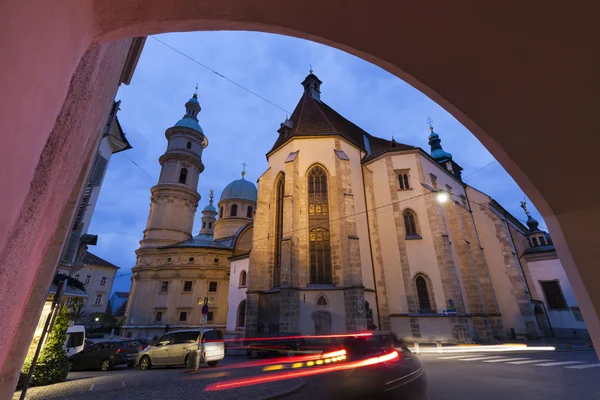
x,y
52,365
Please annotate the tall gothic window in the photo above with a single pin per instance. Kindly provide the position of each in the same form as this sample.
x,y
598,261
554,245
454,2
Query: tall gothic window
x,y
423,294
183,175
280,192
318,219
233,212
410,223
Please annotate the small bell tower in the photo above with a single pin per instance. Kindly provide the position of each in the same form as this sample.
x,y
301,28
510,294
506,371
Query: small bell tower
x,y
209,217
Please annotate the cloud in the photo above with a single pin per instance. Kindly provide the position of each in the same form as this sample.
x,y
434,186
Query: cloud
x,y
241,127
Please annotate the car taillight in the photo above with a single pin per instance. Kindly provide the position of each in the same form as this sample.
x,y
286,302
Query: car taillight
x,y
141,348
118,351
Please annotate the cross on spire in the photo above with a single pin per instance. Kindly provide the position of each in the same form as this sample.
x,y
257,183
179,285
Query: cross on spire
x,y
524,206
310,71
430,122
243,169
212,194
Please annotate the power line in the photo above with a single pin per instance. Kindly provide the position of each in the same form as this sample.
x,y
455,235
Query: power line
x,y
477,170
137,165
220,75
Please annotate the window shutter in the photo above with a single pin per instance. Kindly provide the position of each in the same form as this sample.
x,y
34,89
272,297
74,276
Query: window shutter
x,y
71,248
98,172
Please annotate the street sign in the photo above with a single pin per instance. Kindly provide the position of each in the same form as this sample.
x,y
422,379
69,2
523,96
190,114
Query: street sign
x,y
449,312
204,319
204,310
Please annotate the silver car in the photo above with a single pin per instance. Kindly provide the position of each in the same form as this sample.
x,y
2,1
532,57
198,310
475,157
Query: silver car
x,y
173,348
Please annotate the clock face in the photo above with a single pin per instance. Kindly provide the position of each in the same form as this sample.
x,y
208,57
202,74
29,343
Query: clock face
x,y
360,307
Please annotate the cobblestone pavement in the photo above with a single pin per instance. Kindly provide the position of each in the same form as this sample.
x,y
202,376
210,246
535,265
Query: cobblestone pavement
x,y
160,383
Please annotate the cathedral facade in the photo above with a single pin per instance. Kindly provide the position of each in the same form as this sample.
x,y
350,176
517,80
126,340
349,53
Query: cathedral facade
x,y
346,232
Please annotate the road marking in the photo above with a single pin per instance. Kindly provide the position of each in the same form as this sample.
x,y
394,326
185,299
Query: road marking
x,y
454,357
508,359
528,361
554,364
585,366
480,358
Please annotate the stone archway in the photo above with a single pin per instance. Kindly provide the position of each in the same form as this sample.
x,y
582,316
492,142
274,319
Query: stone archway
x,y
519,75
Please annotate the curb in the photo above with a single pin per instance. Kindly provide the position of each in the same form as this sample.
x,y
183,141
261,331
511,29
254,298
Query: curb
x,y
289,392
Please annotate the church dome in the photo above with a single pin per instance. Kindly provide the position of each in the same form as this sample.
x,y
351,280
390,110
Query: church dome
x,y
210,207
239,189
189,123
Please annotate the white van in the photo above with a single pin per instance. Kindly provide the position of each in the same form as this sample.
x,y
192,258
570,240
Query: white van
x,y
173,348
75,339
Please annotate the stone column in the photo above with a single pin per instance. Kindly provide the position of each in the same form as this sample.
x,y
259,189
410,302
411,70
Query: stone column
x,y
411,296
380,284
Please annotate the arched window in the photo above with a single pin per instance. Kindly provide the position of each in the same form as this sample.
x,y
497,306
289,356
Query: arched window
x,y
221,213
249,212
320,256
280,192
233,212
241,314
322,300
318,220
210,225
410,223
423,294
203,225
317,192
183,175
189,145
243,279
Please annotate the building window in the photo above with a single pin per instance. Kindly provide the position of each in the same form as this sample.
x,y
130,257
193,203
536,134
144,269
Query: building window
x,y
320,256
188,145
168,259
216,260
249,212
183,316
191,259
158,317
322,300
243,279
542,241
317,192
410,224
241,314
554,295
221,213
183,175
187,286
164,286
212,286
423,294
98,300
318,220
87,279
233,212
210,316
534,241
103,281
433,180
203,225
98,171
403,181
77,276
280,192
210,225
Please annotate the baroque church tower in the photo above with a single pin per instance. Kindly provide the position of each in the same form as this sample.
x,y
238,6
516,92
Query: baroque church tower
x,y
175,199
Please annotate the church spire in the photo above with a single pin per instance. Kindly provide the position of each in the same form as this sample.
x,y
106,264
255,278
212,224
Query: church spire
x,y
243,170
192,107
436,145
312,85
209,216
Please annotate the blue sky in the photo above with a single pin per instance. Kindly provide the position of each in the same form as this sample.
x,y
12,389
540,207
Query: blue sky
x,y
241,127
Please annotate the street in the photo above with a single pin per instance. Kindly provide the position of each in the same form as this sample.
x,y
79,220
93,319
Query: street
x,y
493,376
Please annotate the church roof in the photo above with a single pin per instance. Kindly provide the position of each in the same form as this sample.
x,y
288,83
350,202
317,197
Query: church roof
x,y
313,117
187,122
240,189
206,241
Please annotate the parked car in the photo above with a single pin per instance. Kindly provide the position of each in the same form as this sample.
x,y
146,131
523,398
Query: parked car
x,y
106,355
173,348
279,344
76,339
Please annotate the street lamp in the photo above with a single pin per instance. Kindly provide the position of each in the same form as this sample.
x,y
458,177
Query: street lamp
x,y
442,197
97,319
